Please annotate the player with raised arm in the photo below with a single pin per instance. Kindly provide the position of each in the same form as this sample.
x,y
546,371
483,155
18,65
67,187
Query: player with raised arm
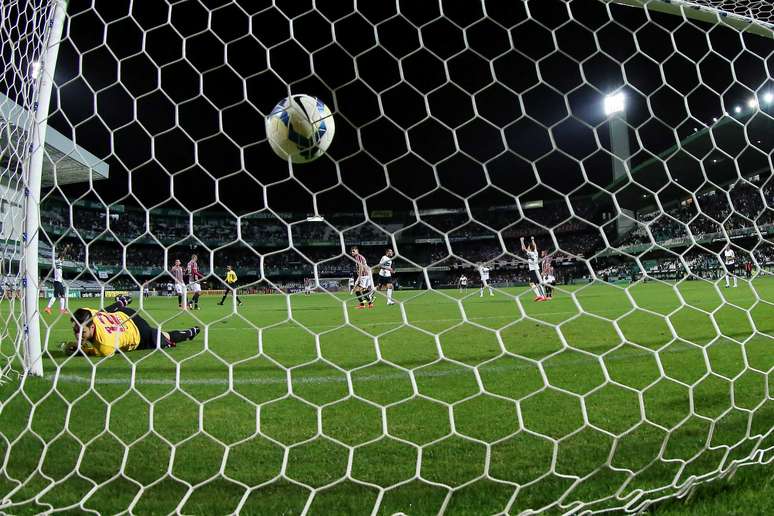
x,y
385,274
534,268
463,283
483,272
729,257
182,295
103,333
364,285
231,280
59,287
193,281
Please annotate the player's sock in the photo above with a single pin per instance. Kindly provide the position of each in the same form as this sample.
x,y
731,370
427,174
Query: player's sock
x,y
51,302
536,291
178,335
180,300
61,303
389,294
239,301
181,335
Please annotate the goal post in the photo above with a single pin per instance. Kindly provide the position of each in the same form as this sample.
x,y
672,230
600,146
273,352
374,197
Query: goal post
x,y
43,70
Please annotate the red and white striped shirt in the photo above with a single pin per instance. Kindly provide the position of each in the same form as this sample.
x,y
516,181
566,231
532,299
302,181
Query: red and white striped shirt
x,y
547,264
177,273
193,271
362,266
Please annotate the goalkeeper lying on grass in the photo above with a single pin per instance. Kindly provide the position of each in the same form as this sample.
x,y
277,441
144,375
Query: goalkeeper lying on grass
x,y
118,327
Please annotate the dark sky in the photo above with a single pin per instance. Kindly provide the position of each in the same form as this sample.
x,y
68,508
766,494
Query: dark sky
x,y
422,97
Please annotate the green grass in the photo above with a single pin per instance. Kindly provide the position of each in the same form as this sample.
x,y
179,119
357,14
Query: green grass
x,y
446,401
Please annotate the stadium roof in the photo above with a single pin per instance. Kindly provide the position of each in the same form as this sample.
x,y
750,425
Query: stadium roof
x,y
740,17
713,153
66,160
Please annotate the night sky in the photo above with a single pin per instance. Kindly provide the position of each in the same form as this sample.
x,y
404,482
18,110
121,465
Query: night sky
x,y
424,94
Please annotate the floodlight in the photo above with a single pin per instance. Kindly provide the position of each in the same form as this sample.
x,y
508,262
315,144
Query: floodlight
x,y
614,103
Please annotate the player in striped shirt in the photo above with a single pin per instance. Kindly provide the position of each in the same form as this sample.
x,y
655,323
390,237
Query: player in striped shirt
x,y
364,285
193,281
177,275
547,275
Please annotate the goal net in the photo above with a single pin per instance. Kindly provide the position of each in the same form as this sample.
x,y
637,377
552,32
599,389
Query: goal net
x,y
566,207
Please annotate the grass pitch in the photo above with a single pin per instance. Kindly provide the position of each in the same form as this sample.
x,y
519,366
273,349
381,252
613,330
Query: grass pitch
x,y
446,401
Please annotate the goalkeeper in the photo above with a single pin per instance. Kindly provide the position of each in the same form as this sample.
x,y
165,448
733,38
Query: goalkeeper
x,y
118,328
231,279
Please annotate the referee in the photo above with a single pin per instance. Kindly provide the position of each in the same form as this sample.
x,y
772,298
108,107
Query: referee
x,y
231,279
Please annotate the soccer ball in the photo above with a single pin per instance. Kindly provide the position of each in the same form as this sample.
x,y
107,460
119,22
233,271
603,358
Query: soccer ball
x,y
301,128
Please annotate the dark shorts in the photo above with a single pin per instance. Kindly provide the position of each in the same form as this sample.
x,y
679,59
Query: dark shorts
x,y
384,280
147,334
59,289
534,277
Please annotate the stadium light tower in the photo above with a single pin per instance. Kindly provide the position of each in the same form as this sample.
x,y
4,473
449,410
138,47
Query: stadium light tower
x,y
615,110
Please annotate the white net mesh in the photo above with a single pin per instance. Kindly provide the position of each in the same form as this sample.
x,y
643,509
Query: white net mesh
x,y
461,129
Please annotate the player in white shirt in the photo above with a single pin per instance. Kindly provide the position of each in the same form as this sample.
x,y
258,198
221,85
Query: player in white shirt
x,y
483,272
59,287
533,263
386,271
463,281
729,257
10,287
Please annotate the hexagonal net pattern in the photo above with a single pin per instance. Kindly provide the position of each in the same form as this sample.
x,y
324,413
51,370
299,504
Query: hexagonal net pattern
x,y
576,314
